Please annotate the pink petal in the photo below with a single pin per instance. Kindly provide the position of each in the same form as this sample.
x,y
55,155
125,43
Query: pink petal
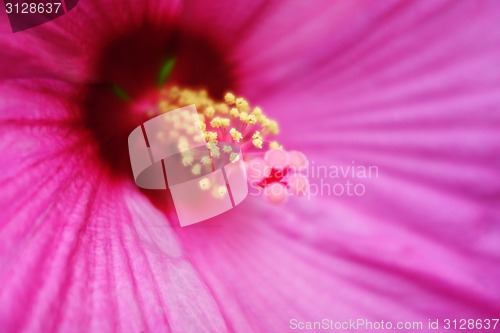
x,y
80,253
257,170
277,158
298,184
275,193
298,160
409,87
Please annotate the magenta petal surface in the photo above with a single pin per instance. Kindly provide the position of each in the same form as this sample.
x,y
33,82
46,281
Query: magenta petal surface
x,y
81,254
409,87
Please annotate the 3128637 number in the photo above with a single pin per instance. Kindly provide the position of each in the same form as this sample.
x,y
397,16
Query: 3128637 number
x,y
32,8
470,324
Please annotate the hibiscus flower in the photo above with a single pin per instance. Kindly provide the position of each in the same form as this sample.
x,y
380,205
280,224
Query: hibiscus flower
x,y
410,88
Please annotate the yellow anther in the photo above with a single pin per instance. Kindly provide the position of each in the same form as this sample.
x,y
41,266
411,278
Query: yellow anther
x,y
264,121
174,92
219,122
209,112
275,145
191,130
219,192
163,106
222,108
205,160
196,169
211,136
260,118
257,111
244,117
182,143
236,135
242,104
194,117
215,153
257,143
234,157
204,184
199,138
227,149
214,149
187,160
257,140
273,127
234,113
252,120
229,98
186,115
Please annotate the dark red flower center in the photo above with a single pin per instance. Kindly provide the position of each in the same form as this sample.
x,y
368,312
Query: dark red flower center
x,y
128,70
